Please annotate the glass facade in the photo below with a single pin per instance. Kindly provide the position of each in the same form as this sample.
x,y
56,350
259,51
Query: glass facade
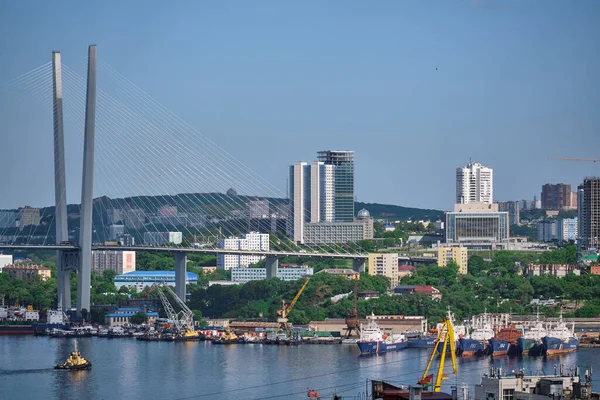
x,y
343,162
476,227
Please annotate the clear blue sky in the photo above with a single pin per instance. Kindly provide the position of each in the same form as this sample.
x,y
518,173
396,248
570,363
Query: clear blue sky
x,y
415,88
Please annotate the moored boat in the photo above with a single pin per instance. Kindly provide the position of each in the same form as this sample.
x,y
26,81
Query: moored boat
x,y
505,338
475,343
374,341
560,339
530,343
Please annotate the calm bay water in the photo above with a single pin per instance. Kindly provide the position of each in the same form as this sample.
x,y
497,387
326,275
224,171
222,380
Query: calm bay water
x,y
131,369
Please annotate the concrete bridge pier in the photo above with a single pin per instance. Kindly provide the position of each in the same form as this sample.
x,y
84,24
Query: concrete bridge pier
x,y
358,264
180,274
272,266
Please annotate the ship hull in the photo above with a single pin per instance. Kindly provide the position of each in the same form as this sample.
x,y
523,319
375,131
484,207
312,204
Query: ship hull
x,y
498,347
470,347
421,343
530,347
554,345
17,330
74,367
380,347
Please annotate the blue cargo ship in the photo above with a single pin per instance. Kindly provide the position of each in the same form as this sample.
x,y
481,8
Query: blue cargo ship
x,y
560,339
373,341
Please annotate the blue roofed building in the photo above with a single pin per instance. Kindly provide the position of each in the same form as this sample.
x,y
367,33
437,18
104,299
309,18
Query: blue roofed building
x,y
122,316
141,279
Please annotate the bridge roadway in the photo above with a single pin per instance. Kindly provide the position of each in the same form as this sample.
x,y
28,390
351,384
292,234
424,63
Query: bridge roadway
x,y
346,256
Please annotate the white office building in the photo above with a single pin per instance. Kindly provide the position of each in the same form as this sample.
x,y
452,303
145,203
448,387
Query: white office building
x,y
5,259
162,238
243,275
250,241
474,184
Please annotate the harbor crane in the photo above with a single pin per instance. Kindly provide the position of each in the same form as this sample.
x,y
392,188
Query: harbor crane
x,y
445,338
352,321
183,321
283,313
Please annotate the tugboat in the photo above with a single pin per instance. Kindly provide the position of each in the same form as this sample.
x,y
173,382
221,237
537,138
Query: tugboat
x,y
228,338
75,362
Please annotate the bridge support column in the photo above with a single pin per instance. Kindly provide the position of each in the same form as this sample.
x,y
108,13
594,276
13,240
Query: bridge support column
x,y
272,266
60,192
63,282
358,264
180,274
84,276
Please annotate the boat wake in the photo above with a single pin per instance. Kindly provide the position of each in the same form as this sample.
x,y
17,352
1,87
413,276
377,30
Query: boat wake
x,y
24,371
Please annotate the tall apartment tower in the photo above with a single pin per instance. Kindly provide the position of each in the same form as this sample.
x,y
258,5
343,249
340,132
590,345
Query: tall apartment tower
x,y
343,182
556,197
474,184
589,213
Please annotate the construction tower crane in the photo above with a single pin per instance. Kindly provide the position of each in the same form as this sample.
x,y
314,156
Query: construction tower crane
x,y
575,159
445,337
352,321
282,314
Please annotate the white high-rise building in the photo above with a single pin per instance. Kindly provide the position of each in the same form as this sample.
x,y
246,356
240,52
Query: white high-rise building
x,y
322,206
300,196
474,184
250,241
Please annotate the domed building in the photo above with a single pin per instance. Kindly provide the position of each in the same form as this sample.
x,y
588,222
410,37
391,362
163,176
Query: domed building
x,y
364,213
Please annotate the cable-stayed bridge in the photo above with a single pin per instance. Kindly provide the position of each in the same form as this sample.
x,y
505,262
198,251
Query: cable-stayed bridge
x,y
145,171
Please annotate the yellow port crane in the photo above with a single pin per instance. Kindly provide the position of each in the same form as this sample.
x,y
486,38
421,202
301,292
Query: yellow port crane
x,y
445,337
282,314
575,159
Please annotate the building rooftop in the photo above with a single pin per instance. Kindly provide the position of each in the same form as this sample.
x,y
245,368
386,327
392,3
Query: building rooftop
x,y
155,274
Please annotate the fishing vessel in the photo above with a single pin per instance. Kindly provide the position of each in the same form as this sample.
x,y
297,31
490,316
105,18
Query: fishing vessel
x,y
560,339
530,343
475,343
374,341
75,361
505,337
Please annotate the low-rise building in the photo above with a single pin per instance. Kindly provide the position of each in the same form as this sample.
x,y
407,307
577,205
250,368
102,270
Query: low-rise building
x,y
477,225
318,233
27,271
558,270
405,270
141,279
428,290
244,274
250,241
368,294
460,255
122,316
388,324
345,272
